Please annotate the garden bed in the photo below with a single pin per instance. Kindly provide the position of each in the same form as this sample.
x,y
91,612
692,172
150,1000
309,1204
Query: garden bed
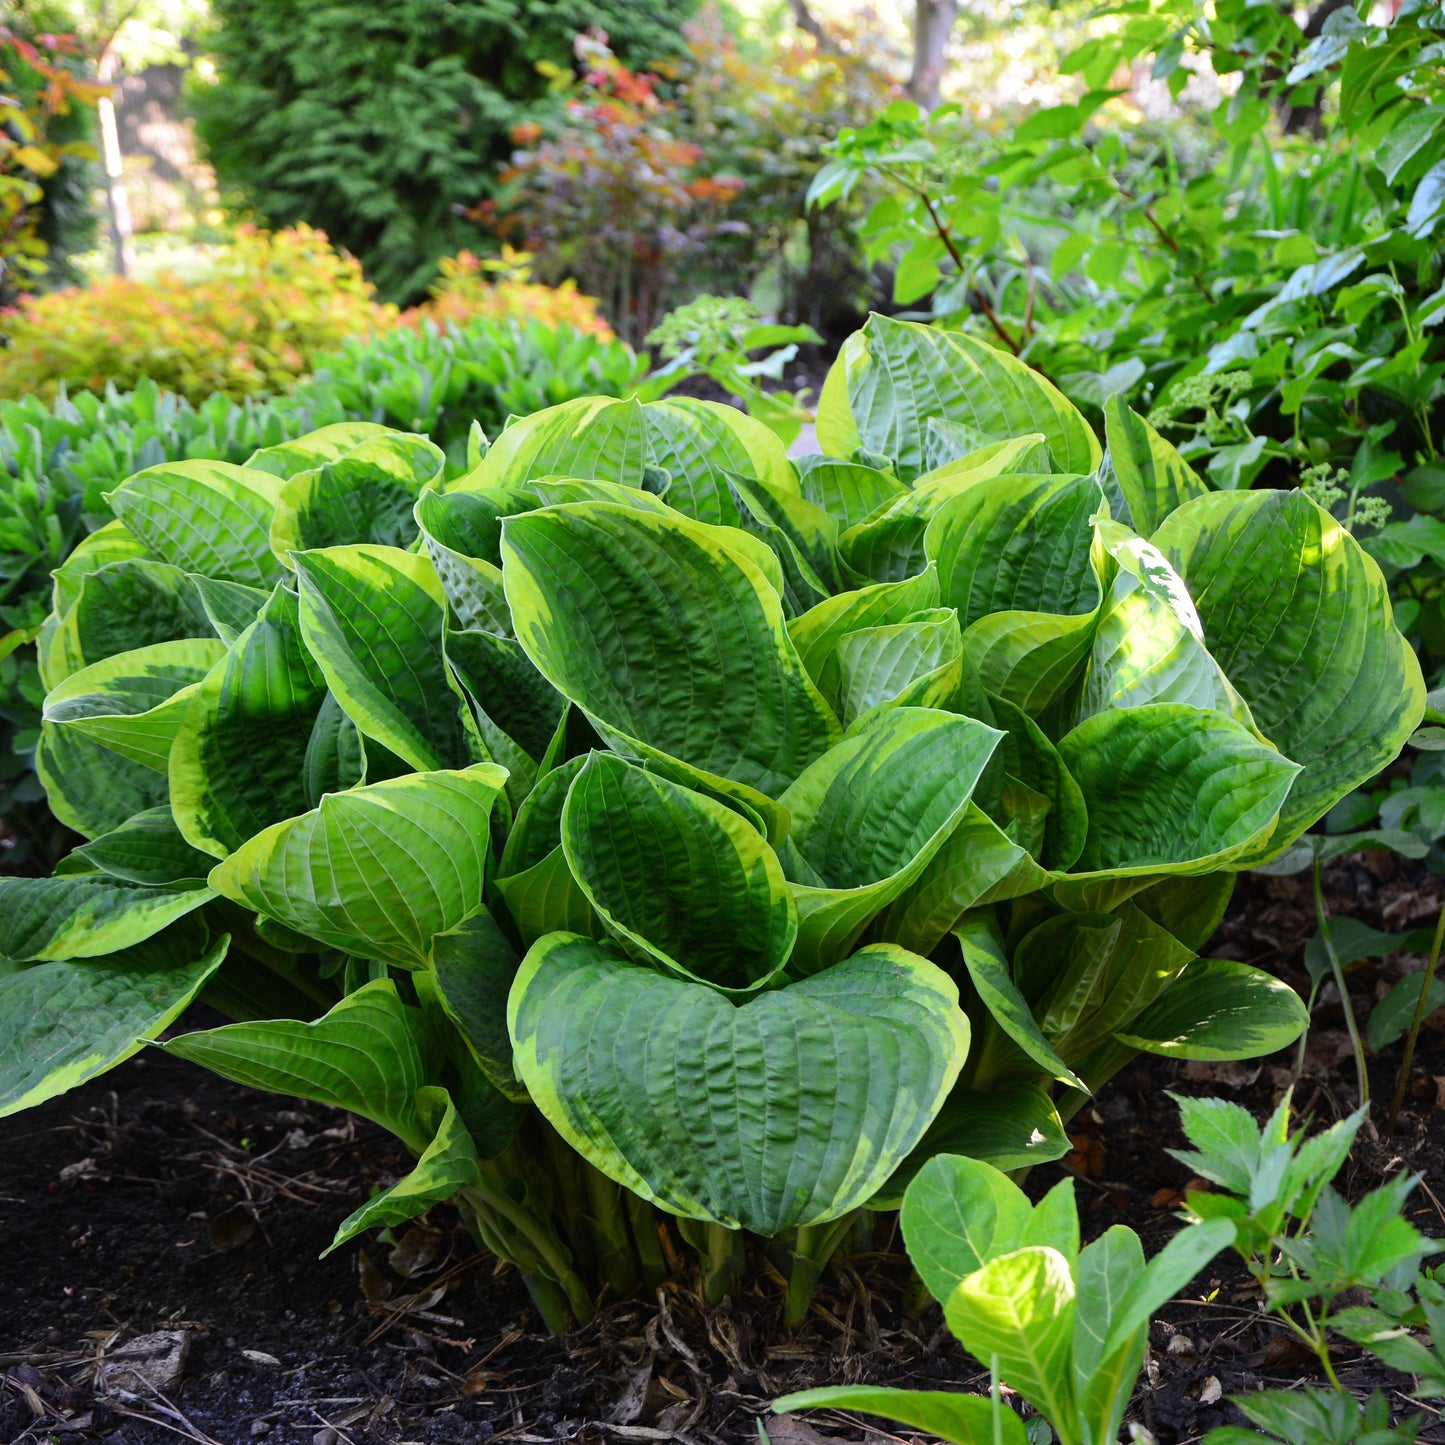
x,y
162,1201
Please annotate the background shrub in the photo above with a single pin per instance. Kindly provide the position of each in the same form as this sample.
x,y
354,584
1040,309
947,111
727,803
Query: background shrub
x,y
376,119
274,302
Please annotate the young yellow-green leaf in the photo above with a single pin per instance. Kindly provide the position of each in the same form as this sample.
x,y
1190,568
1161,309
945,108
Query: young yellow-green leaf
x,y
1219,1009
373,619
850,492
1299,618
678,879
378,871
134,703
1172,788
948,1414
233,766
446,1165
733,1113
892,376
206,517
363,1055
1019,1307
1107,1271
869,815
1143,476
666,639
64,1023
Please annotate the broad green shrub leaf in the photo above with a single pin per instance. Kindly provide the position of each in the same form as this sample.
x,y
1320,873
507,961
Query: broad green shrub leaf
x,y
363,1055
119,608
325,444
731,1113
1174,788
1219,1009
668,641
1149,644
948,1414
89,788
229,607
1392,1016
206,517
1107,1270
918,663
678,879
533,877
869,815
818,632
850,492
365,495
892,376
1143,476
988,968
447,1164
134,703
378,871
892,543
474,966
1015,558
373,620
978,863
147,849
1299,618
1019,1308
64,1023
1011,1126
234,764
85,915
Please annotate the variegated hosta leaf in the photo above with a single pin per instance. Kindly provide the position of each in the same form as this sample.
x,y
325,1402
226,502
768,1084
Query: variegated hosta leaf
x,y
1174,789
533,877
147,848
364,1055
243,757
373,619
64,1023
365,495
89,788
1299,618
818,632
325,444
448,1164
868,817
1219,1009
1028,757
695,443
678,879
230,607
667,640
85,915
892,543
206,517
110,543
474,966
118,608
978,864
850,492
463,535
1149,644
892,376
1143,476
134,703
803,537
1015,558
732,1113
917,663
378,871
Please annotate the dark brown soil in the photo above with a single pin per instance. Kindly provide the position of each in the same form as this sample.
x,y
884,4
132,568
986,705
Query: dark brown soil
x,y
160,1199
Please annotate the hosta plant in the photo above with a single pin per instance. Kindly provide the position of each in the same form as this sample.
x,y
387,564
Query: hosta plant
x,y
668,841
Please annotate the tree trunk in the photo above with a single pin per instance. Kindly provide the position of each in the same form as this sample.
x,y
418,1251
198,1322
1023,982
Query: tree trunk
x,y
932,25
117,203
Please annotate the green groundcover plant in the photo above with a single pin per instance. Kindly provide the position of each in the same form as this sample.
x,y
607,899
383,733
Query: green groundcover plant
x,y
655,834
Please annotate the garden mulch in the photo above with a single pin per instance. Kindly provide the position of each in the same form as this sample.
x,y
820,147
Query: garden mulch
x,y
160,1277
